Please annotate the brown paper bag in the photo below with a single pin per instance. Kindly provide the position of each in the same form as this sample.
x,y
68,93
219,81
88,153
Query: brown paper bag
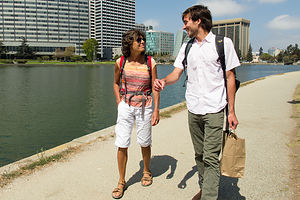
x,y
233,156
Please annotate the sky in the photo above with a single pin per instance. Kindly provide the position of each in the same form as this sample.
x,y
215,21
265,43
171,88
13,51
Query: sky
x,y
273,23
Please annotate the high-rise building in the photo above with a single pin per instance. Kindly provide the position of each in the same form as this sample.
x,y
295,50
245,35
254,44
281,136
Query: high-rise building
x,y
140,27
274,51
236,29
143,27
181,37
111,19
46,25
159,42
92,21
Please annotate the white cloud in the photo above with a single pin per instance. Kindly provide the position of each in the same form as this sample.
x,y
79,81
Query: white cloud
x,y
284,22
221,8
271,1
281,40
152,22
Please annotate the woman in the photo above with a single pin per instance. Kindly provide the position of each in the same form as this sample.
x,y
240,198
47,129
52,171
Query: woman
x,y
134,104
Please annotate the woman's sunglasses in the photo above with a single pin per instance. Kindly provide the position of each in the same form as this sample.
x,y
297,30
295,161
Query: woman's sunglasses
x,y
139,39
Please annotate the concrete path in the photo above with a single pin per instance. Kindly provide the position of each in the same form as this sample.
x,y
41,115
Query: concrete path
x,y
264,115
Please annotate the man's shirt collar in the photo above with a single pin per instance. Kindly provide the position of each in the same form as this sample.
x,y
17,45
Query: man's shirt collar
x,y
209,38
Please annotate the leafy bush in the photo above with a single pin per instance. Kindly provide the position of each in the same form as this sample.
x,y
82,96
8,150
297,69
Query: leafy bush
x,y
39,59
6,61
76,58
20,61
45,57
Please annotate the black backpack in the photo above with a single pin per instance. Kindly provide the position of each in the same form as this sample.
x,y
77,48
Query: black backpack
x,y
220,49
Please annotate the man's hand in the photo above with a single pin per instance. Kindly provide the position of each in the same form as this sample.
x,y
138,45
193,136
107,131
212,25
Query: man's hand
x,y
232,120
159,85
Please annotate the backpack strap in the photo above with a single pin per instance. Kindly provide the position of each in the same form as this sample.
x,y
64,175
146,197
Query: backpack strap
x,y
149,65
123,79
221,59
220,49
184,62
122,63
186,52
122,76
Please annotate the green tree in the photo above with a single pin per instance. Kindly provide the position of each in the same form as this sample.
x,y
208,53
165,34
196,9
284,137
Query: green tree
x,y
290,50
260,51
249,56
291,54
90,49
58,54
294,58
286,59
3,50
24,50
117,57
239,54
69,51
279,57
265,57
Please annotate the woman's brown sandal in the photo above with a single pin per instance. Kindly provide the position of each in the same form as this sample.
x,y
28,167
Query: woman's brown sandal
x,y
118,190
148,179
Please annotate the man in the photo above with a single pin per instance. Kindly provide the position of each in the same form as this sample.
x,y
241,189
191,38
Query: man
x,y
205,95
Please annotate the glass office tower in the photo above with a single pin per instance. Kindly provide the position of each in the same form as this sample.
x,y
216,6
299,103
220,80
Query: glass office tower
x,y
237,29
159,42
181,37
46,24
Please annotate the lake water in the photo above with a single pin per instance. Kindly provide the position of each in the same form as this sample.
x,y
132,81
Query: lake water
x,y
43,106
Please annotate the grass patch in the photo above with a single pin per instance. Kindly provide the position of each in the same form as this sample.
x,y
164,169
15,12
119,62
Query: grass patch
x,y
168,113
250,82
58,62
295,145
295,117
68,63
43,160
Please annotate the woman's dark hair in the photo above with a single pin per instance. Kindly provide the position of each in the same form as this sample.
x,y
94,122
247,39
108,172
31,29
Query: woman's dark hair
x,y
128,38
200,12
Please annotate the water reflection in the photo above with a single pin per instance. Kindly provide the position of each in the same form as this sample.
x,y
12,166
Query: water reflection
x,y
44,106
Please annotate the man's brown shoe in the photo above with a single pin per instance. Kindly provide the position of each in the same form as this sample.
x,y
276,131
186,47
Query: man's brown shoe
x,y
197,196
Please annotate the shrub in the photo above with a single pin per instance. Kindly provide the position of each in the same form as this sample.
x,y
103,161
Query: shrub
x,y
6,61
45,57
76,58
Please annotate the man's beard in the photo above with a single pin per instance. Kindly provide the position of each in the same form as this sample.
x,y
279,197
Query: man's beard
x,y
191,33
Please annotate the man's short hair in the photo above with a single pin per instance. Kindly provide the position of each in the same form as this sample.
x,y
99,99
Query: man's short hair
x,y
200,12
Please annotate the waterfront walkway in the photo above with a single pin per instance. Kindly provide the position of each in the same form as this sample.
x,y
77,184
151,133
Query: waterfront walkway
x,y
264,115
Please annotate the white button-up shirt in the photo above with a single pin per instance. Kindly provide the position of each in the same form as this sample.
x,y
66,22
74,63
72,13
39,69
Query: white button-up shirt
x,y
205,91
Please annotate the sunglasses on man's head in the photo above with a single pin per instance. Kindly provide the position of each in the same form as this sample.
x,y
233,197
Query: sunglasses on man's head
x,y
139,39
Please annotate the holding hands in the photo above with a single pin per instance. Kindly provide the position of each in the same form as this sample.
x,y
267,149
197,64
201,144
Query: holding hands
x,y
159,84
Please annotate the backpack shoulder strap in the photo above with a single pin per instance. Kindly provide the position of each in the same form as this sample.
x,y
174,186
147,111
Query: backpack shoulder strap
x,y
221,59
184,62
122,76
149,65
186,52
220,50
122,63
